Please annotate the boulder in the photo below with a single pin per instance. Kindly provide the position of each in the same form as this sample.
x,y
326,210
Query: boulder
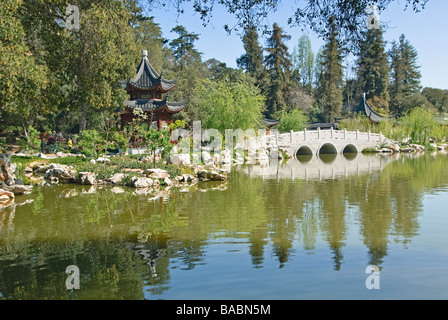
x,y
88,178
157,173
6,174
6,195
60,172
19,189
141,182
181,159
117,178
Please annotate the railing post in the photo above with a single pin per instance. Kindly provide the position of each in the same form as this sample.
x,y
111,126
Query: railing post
x,y
304,134
369,135
357,134
290,135
318,132
381,136
331,132
345,133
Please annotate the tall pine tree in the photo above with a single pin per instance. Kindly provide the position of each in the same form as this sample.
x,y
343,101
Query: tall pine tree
x,y
278,62
331,82
252,60
373,70
405,75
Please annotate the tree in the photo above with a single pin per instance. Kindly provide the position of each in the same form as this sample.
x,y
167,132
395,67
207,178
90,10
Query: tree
x,y
331,83
149,35
349,16
295,120
252,60
405,75
303,61
373,70
226,104
278,63
23,80
103,52
438,98
183,46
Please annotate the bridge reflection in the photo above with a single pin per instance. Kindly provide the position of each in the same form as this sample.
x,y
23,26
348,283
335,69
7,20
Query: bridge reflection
x,y
324,166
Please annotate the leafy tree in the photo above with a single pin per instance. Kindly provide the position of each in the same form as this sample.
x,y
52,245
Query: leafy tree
x,y
295,120
149,35
349,16
438,98
23,80
230,105
331,84
373,70
278,63
303,61
103,52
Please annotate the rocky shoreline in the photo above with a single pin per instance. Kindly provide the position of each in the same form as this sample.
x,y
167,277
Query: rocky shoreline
x,y
50,174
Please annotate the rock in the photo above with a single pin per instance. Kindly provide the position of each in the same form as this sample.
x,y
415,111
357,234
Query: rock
x,y
157,173
93,161
394,148
204,175
407,150
181,159
102,160
206,157
6,195
88,178
58,172
6,174
216,158
141,182
117,178
167,182
19,189
417,147
117,190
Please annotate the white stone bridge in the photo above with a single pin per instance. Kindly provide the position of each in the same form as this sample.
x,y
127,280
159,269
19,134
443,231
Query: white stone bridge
x,y
315,142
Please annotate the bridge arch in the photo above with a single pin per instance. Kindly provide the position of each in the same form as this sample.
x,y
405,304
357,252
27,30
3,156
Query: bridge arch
x,y
327,148
350,148
304,154
304,151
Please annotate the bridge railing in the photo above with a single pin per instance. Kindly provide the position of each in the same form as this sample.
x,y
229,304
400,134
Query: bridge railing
x,y
309,135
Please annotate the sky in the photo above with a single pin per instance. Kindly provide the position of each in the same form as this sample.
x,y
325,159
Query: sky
x,y
426,30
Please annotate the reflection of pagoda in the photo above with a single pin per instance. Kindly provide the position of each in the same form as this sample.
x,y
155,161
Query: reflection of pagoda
x,y
146,90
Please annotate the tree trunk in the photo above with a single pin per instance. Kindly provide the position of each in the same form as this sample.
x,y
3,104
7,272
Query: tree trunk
x,y
83,119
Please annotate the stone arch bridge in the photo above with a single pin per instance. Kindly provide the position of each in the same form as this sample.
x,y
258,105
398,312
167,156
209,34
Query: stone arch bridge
x,y
316,142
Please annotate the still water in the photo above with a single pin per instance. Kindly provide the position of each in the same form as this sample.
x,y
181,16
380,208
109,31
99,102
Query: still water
x,y
306,229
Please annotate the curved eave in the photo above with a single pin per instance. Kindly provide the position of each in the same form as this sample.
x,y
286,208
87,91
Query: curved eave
x,y
174,107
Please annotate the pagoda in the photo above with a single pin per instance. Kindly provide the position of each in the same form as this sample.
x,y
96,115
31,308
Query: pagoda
x,y
365,109
146,90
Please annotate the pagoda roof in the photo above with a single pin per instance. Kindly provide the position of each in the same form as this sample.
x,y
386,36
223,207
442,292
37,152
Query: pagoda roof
x,y
366,109
148,78
155,105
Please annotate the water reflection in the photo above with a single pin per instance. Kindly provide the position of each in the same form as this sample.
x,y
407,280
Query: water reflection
x,y
132,242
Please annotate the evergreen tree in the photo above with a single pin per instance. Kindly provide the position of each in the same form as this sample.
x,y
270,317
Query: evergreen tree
x,y
252,60
331,82
183,48
278,62
373,70
405,75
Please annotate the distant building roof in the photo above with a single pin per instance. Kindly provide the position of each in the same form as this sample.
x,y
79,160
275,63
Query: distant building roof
x,y
365,109
271,122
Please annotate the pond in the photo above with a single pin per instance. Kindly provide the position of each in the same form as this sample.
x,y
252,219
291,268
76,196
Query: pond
x,y
305,229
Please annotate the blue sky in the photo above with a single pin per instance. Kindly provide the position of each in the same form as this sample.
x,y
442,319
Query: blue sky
x,y
426,30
